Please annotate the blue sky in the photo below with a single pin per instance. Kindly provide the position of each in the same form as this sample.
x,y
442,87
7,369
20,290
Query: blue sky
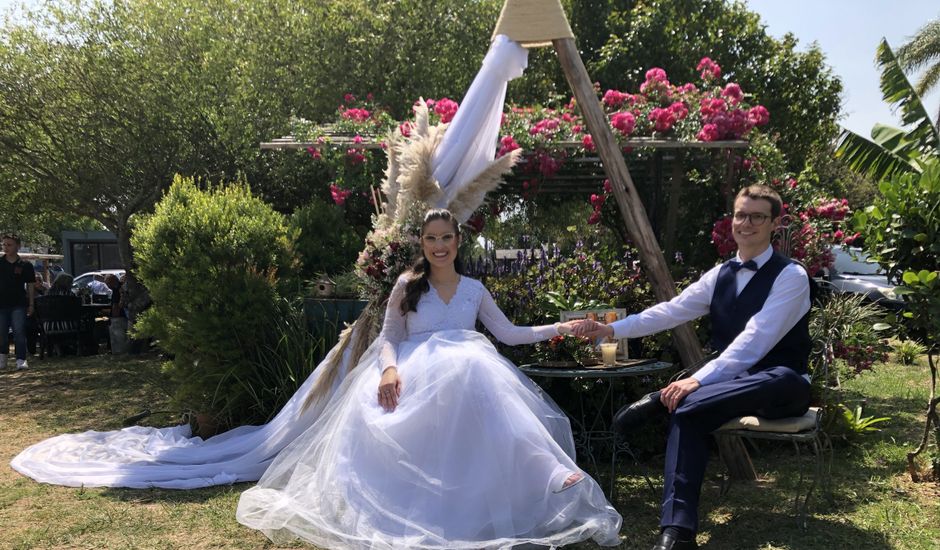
x,y
847,31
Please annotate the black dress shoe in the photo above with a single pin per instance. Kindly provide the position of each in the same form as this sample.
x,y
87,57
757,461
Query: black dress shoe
x,y
637,412
667,541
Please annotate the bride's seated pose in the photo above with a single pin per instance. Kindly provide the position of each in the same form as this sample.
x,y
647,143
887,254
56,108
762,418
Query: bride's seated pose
x,y
436,440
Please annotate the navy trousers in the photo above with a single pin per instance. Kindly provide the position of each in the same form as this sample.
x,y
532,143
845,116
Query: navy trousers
x,y
776,392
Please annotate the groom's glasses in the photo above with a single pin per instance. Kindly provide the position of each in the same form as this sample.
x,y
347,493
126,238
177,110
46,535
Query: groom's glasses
x,y
432,240
756,218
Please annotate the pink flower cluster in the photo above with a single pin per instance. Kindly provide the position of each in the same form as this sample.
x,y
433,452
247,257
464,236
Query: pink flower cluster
x,y
597,202
356,155
722,237
339,194
708,69
623,122
546,127
446,108
720,123
664,119
507,144
656,84
614,99
832,209
354,114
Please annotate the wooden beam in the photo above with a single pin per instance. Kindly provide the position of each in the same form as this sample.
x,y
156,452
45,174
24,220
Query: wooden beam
x,y
628,201
676,178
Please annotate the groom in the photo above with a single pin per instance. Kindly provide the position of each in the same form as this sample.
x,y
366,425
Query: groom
x,y
759,305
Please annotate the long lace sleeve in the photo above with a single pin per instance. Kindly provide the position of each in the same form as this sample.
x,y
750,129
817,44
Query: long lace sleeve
x,y
502,328
394,328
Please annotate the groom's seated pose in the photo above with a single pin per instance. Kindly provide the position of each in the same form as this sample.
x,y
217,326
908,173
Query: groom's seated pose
x,y
759,305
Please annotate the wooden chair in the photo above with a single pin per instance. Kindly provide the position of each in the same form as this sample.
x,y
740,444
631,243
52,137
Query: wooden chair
x,y
60,318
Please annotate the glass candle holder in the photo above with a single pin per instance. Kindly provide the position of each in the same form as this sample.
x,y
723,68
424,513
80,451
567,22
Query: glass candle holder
x,y
609,353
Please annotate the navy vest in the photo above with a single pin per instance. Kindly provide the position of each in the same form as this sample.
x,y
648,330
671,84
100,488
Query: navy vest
x,y
730,313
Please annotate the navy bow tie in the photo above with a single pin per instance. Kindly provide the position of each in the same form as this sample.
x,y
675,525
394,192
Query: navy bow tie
x,y
738,266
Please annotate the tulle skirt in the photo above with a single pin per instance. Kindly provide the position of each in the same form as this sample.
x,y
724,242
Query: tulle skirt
x,y
471,458
142,457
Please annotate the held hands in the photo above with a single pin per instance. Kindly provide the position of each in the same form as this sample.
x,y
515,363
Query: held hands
x,y
588,328
389,389
674,393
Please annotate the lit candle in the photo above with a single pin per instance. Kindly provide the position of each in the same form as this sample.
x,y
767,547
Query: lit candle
x,y
609,353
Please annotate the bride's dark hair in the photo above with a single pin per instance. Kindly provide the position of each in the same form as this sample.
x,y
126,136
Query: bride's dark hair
x,y
418,282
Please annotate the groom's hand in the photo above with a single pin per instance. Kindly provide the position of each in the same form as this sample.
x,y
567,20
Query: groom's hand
x,y
591,329
674,393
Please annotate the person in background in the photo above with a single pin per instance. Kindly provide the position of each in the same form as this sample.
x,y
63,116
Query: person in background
x,y
62,285
17,281
40,287
117,302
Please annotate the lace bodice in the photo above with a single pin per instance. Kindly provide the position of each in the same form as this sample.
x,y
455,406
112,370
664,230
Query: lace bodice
x,y
471,301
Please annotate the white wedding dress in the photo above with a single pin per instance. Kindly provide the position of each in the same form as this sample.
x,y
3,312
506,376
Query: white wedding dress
x,y
472,456
141,457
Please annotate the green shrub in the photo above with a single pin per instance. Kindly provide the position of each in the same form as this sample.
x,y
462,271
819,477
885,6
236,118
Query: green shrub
x,y
907,351
216,262
325,242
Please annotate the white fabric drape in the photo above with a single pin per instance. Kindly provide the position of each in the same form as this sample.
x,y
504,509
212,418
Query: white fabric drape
x,y
142,457
469,144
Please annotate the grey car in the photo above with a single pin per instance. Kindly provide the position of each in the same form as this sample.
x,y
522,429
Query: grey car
x,y
853,273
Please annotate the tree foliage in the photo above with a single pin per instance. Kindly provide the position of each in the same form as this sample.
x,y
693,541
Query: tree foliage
x,y
797,87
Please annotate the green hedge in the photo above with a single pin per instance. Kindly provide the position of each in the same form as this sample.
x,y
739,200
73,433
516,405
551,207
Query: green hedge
x,y
217,262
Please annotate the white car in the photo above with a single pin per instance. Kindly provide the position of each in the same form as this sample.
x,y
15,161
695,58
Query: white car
x,y
853,273
94,281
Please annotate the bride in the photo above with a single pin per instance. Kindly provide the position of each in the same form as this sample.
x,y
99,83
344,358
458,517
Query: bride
x,y
436,440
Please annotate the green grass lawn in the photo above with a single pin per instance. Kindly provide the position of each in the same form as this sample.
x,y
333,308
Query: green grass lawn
x,y
873,505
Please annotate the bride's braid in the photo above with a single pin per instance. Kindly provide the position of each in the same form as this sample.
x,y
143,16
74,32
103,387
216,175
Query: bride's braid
x,y
418,275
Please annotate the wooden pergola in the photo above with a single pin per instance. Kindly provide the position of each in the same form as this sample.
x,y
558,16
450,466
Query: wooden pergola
x,y
663,171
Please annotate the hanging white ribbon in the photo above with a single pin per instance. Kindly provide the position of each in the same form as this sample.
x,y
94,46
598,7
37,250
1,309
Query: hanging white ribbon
x,y
470,142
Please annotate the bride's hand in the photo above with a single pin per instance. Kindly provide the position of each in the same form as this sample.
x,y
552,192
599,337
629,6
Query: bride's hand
x,y
389,389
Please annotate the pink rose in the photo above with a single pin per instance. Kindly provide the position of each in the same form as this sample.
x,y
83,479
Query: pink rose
x,y
758,115
339,195
733,92
588,142
709,132
446,108
623,122
708,69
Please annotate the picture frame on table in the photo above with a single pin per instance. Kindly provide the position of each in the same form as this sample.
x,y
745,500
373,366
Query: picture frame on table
x,y
601,315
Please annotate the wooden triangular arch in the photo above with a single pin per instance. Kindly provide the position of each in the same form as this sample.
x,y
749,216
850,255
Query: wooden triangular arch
x,y
535,23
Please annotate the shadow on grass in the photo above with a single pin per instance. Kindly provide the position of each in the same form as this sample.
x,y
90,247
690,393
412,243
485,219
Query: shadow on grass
x,y
171,496
755,528
84,393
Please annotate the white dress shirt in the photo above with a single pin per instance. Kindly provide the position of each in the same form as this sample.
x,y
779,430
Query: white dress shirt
x,y
786,304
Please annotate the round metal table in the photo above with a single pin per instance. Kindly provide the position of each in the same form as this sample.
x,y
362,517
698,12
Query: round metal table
x,y
591,431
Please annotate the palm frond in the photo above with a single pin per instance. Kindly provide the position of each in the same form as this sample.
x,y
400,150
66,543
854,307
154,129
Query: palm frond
x,y
929,79
869,158
897,90
923,48
468,199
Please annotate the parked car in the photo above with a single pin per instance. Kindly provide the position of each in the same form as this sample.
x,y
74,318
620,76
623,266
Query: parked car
x,y
853,272
94,281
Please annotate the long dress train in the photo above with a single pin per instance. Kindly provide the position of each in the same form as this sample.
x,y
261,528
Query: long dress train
x,y
142,457
471,458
